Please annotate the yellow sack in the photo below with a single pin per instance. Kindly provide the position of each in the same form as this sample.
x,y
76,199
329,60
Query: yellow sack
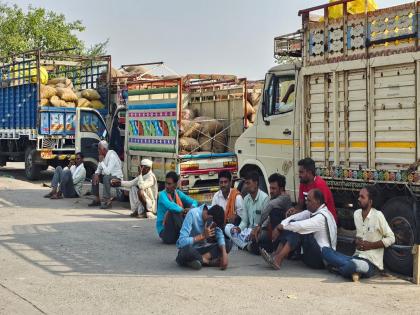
x,y
18,72
70,104
96,104
66,94
354,7
47,91
91,94
44,102
56,102
83,102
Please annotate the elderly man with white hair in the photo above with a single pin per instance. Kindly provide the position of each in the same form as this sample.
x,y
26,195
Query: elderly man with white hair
x,y
143,191
109,168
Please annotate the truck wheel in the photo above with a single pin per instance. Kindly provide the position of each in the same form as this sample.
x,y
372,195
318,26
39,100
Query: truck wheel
x,y
399,213
32,170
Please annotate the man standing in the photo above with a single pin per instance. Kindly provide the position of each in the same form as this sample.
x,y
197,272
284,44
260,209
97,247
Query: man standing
x,y
311,229
272,215
201,240
173,204
309,181
143,191
228,198
68,182
373,234
254,203
109,168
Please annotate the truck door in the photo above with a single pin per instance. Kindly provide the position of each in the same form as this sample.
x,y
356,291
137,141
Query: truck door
x,y
275,129
90,129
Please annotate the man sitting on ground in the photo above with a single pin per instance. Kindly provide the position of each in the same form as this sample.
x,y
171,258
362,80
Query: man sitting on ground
x,y
373,234
272,215
68,182
228,198
201,241
173,204
109,168
143,191
312,230
309,181
254,203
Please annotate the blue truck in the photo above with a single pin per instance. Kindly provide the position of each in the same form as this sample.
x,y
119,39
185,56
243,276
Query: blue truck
x,y
42,135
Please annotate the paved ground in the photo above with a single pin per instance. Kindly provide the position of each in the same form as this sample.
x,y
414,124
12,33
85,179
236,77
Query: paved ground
x,y
60,257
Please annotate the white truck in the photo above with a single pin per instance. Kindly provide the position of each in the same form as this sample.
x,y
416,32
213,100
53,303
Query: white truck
x,y
154,119
349,99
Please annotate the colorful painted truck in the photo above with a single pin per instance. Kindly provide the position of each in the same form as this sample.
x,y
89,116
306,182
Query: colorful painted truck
x,y
34,130
350,99
154,118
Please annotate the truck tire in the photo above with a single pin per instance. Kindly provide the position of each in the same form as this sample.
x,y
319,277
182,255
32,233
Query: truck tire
x,y
32,170
399,213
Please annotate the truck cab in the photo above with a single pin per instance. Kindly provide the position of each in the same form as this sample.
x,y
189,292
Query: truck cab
x,y
273,142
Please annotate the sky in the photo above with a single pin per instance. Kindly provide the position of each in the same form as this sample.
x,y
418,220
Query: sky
x,y
190,36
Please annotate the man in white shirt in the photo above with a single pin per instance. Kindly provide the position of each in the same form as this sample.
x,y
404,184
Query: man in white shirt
x,y
143,191
373,234
109,168
68,182
228,198
312,230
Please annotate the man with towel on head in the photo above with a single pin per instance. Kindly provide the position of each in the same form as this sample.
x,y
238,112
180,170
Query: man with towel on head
x,y
143,191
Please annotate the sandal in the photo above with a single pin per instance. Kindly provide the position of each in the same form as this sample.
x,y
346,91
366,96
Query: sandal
x,y
269,259
55,197
94,203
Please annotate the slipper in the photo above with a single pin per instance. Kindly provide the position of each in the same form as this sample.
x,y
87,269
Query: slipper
x,y
49,195
54,197
106,205
269,259
94,204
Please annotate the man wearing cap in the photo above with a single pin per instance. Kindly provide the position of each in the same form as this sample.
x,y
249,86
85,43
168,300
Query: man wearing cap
x,y
109,167
143,191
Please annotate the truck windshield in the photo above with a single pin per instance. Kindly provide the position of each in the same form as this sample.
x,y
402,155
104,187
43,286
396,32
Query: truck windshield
x,y
281,95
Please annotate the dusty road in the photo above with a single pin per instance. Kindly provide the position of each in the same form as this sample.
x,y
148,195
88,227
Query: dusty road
x,y
60,257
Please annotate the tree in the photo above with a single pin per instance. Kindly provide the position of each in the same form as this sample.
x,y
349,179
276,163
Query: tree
x,y
39,28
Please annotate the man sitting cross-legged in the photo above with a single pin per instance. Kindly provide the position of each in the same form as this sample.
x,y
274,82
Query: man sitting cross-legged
x,y
373,234
201,240
310,230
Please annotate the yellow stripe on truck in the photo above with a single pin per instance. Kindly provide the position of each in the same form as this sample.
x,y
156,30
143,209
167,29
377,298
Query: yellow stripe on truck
x,y
379,144
275,141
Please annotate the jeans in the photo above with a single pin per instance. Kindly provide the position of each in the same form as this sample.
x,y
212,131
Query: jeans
x,y
312,256
63,181
190,253
347,265
106,181
172,227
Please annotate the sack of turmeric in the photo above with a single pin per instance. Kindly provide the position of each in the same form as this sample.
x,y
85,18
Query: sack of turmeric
x,y
66,94
219,142
47,91
209,125
55,81
44,102
91,94
205,142
96,104
188,144
70,104
189,129
57,102
82,102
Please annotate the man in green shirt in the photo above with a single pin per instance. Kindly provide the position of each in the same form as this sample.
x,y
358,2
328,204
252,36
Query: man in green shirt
x,y
254,203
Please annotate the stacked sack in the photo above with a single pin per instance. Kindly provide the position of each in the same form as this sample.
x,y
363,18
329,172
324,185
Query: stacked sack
x,y
252,104
201,134
59,92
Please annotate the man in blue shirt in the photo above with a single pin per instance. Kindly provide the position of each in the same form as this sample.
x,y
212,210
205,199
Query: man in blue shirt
x,y
201,240
173,204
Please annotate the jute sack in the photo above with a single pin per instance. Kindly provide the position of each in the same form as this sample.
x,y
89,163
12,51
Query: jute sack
x,y
249,110
44,102
190,129
47,91
188,144
91,94
82,102
220,142
96,104
66,94
209,125
205,142
57,80
56,102
70,104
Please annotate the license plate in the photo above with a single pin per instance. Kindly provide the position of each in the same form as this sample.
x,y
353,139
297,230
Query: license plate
x,y
203,198
46,154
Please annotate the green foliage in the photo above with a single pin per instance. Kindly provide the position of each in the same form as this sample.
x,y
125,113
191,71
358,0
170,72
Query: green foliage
x,y
39,28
